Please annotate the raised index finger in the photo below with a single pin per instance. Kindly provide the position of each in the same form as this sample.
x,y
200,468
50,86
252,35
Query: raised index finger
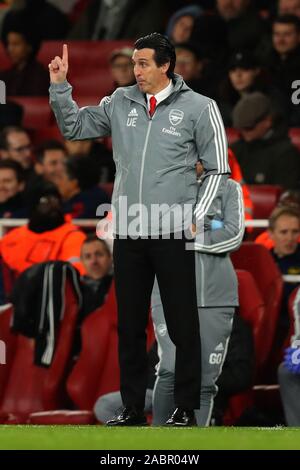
x,y
65,54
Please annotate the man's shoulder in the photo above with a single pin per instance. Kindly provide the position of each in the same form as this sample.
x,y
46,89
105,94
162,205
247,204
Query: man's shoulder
x,y
15,233
198,98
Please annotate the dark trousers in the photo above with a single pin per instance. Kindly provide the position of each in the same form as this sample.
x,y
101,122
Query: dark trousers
x,y
136,262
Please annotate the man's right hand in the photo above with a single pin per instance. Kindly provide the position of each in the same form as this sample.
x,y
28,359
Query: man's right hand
x,y
58,67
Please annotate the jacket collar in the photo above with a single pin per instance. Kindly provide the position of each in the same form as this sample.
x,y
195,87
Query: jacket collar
x,y
133,92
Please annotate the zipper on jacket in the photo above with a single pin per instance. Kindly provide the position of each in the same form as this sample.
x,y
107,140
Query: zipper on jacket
x,y
142,170
202,282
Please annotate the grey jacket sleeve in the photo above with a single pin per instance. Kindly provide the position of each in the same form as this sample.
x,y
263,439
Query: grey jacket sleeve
x,y
211,141
88,122
229,237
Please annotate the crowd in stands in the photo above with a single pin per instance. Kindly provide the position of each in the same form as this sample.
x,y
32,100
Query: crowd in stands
x,y
244,54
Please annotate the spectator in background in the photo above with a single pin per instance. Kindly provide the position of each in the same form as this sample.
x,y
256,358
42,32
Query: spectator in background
x,y
41,17
181,24
122,68
264,152
289,7
48,167
284,61
11,190
191,66
97,261
15,144
287,199
78,187
50,159
120,19
284,227
234,24
98,152
26,77
244,76
48,235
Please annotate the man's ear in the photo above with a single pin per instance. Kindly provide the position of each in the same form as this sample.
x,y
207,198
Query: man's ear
x,y
165,67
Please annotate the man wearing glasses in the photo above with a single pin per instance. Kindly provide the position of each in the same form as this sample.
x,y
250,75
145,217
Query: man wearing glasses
x,y
15,144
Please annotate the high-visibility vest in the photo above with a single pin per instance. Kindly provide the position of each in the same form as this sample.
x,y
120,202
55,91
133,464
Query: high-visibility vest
x,y
21,247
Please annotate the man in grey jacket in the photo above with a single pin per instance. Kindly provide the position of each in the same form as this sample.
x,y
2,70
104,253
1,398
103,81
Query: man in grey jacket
x,y
217,297
160,128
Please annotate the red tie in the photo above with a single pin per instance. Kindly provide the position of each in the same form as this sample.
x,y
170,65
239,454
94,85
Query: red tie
x,y
152,105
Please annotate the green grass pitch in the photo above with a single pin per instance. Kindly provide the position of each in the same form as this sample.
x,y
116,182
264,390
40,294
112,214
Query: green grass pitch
x,y
102,438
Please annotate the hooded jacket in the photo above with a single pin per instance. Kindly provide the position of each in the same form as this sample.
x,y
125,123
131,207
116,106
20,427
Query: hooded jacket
x,y
155,185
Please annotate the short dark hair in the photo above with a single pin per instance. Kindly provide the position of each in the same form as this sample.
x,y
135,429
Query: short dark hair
x,y
288,19
14,166
84,169
48,145
91,237
279,211
164,51
9,130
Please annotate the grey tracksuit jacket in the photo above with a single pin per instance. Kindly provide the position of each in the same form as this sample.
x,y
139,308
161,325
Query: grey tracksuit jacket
x,y
154,157
215,276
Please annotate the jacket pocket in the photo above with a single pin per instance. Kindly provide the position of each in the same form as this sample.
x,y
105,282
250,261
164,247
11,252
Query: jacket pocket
x,y
170,184
120,180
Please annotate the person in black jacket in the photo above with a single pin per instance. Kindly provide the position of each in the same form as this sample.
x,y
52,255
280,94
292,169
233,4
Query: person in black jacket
x,y
26,76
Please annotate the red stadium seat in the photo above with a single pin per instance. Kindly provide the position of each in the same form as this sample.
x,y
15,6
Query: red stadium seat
x,y
37,112
9,340
252,309
264,198
294,134
5,63
99,353
46,133
99,83
259,262
31,388
84,56
97,369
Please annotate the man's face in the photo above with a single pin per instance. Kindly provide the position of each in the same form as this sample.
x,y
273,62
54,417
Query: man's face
x,y
122,71
150,78
17,48
67,187
230,9
285,38
182,29
187,65
96,259
289,7
9,185
19,148
52,166
285,234
258,131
